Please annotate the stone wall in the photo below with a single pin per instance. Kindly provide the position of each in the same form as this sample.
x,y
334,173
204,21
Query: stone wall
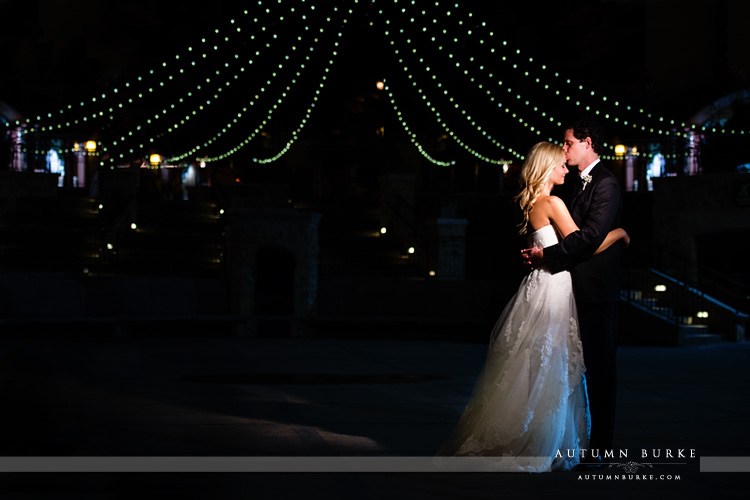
x,y
686,208
256,229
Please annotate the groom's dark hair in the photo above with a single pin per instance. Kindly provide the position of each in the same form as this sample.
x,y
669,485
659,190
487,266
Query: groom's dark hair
x,y
584,126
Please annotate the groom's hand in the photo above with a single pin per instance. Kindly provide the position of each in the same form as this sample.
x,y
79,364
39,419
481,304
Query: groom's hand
x,y
532,258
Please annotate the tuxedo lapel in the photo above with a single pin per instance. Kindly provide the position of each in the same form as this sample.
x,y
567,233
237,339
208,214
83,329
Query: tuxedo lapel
x,y
580,188
577,190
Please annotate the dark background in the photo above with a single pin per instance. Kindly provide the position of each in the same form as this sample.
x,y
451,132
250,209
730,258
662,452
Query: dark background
x,y
670,58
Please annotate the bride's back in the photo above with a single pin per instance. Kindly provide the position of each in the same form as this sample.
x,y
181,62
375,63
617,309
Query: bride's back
x,y
540,212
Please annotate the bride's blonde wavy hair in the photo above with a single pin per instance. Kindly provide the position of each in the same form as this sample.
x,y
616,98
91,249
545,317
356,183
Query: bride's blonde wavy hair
x,y
541,160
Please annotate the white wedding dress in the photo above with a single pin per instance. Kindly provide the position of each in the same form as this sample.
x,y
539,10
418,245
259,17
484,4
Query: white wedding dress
x,y
529,411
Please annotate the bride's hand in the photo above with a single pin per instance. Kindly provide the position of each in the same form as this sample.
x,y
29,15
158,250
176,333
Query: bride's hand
x,y
625,239
531,258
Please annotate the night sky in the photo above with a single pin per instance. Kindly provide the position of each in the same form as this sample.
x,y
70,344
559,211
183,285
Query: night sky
x,y
669,58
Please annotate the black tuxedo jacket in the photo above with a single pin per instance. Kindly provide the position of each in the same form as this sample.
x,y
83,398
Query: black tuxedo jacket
x,y
596,210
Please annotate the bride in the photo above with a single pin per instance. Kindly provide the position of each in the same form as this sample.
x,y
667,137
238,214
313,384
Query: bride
x,y
528,411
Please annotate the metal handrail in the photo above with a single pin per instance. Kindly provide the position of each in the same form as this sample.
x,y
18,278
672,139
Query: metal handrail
x,y
702,278
677,301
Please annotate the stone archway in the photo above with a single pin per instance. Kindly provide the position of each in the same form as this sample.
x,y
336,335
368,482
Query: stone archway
x,y
273,267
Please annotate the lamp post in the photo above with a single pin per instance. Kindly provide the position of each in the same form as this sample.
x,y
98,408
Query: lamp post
x,y
87,164
628,154
154,160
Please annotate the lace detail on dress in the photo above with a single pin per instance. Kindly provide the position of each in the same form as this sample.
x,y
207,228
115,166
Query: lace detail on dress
x,y
530,400
576,367
532,282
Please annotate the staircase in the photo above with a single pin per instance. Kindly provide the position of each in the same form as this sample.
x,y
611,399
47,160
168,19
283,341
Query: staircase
x,y
664,309
171,237
50,234
72,233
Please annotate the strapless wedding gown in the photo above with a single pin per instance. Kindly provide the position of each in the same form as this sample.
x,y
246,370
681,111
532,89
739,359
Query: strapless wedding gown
x,y
529,410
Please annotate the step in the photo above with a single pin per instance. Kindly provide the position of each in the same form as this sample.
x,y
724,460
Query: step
x,y
696,335
701,339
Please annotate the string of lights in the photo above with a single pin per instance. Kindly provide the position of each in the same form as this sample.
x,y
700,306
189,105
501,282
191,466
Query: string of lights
x,y
75,148
214,99
411,134
455,104
258,129
676,127
448,27
246,108
119,98
518,97
295,133
480,86
444,125
267,85
255,99
545,116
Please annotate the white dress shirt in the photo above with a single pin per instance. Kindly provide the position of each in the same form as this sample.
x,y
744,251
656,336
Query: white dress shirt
x,y
587,170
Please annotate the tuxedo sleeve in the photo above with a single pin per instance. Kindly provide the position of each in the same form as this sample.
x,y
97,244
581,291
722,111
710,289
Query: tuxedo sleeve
x,y
600,219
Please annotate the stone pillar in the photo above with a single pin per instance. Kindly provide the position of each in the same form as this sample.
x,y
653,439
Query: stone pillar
x,y
251,230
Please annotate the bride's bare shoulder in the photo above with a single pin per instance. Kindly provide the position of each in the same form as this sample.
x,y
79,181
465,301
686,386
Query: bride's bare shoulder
x,y
548,205
555,201
547,201
542,198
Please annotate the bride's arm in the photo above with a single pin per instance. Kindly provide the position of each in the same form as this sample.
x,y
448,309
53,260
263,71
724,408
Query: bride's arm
x,y
612,237
560,216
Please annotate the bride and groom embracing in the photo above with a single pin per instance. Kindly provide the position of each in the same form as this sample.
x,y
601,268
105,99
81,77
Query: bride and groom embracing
x,y
532,409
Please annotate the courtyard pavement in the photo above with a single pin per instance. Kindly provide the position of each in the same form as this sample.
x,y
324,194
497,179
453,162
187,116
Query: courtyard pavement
x,y
66,395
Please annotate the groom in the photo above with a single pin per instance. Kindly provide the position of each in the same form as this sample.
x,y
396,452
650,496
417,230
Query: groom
x,y
593,197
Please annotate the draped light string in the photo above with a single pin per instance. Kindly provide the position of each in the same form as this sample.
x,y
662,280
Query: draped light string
x,y
546,117
451,57
667,156
515,66
199,55
480,86
518,97
443,124
557,92
156,81
680,128
258,129
487,92
589,93
308,112
296,131
246,108
411,134
456,106
250,104
212,99
217,94
76,148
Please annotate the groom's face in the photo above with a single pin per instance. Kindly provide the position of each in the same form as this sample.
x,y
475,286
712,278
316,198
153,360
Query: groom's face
x,y
575,150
